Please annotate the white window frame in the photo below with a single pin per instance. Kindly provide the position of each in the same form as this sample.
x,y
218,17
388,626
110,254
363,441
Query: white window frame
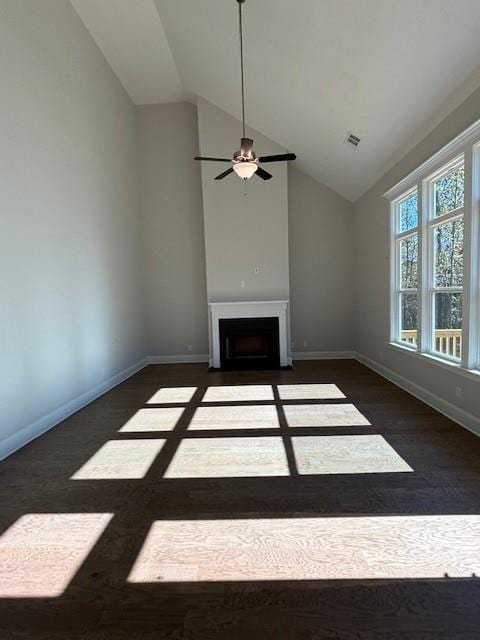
x,y
396,289
466,145
472,358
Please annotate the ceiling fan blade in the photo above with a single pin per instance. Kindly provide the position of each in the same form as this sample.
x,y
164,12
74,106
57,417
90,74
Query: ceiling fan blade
x,y
264,175
246,146
224,174
278,158
213,159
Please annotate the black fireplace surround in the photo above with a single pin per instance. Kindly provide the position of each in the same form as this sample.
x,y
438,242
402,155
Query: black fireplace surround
x,y
249,343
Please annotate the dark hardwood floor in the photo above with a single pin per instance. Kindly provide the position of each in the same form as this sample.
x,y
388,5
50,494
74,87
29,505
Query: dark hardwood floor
x,y
70,576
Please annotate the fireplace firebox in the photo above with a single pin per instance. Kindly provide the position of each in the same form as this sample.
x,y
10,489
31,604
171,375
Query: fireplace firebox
x,y
249,343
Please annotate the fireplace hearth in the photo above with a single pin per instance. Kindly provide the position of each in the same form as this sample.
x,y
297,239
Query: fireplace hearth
x,y
249,343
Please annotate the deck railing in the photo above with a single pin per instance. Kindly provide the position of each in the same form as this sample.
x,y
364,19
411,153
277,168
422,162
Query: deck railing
x,y
447,341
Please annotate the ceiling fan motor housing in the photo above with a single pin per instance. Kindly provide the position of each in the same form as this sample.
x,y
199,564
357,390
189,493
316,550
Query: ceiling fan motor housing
x,y
238,156
245,153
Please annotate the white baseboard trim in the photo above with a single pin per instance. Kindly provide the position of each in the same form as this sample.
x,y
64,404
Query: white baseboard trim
x,y
323,355
463,418
35,429
296,355
202,357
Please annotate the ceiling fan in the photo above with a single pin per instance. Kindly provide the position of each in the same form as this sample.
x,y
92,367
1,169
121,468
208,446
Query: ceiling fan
x,y
244,162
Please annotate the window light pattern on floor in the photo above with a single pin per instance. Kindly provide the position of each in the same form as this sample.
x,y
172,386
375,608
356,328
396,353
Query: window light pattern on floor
x,y
41,552
153,419
346,454
229,458
324,415
239,393
120,459
309,392
235,417
172,395
236,412
334,548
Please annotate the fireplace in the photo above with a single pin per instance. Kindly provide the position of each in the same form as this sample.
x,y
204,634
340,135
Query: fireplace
x,y
249,343
255,335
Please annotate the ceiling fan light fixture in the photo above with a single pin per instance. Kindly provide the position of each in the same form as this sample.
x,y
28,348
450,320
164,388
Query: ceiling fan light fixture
x,y
245,170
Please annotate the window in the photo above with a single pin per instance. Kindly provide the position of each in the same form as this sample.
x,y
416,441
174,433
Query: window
x,y
446,239
406,268
435,236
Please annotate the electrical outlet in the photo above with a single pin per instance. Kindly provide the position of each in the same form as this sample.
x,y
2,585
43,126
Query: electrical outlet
x,y
305,343
292,344
242,284
189,347
458,392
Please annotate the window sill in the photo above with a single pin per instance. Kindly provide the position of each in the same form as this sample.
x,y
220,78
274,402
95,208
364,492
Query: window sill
x,y
453,367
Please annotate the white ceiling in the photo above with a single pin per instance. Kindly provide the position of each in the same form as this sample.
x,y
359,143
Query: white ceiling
x,y
315,69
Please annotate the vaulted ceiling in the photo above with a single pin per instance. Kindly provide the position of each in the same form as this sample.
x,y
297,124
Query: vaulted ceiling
x,y
387,70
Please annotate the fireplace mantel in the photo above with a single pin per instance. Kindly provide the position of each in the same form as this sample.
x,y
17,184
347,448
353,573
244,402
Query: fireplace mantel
x,y
245,309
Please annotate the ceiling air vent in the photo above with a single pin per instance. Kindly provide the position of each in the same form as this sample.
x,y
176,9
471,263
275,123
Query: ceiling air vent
x,y
352,139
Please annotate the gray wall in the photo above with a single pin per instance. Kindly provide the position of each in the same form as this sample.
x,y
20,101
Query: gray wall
x,y
321,265
372,271
246,225
171,197
70,260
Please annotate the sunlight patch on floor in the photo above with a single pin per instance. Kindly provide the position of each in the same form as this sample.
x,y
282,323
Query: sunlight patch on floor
x,y
229,458
324,415
346,454
337,548
167,395
239,393
309,392
154,419
235,417
120,460
41,552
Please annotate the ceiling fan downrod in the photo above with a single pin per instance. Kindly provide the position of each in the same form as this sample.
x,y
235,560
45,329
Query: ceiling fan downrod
x,y
244,162
240,32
